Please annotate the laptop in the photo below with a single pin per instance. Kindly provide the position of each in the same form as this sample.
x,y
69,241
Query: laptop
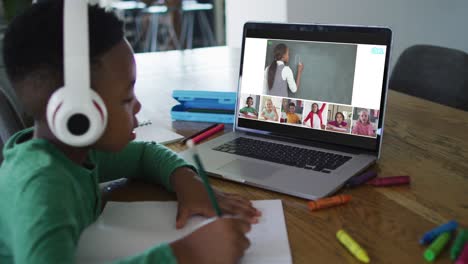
x,y
310,108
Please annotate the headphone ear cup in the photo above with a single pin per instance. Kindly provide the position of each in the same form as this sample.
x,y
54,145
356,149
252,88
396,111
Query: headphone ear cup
x,y
76,121
100,108
53,106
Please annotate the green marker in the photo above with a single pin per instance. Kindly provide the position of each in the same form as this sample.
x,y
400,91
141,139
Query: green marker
x,y
201,172
457,247
436,247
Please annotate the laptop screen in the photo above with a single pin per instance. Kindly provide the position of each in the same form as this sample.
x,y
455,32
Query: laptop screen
x,y
314,82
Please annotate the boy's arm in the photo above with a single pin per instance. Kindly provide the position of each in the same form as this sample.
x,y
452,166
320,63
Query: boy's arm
x,y
144,160
45,227
48,222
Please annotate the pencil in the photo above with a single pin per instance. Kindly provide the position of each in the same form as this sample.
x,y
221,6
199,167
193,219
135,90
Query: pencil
x,y
201,173
198,133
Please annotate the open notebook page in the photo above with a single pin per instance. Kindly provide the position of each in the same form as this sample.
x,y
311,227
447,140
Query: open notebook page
x,y
148,131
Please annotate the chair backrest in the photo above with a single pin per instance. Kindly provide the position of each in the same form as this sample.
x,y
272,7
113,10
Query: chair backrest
x,y
434,73
10,120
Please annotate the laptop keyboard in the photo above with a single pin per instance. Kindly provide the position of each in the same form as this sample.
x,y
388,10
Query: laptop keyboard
x,y
284,154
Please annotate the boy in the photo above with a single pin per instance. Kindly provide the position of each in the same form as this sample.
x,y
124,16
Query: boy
x,y
249,111
292,117
50,190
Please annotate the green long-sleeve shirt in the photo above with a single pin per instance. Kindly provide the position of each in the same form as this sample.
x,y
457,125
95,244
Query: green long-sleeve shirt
x,y
46,200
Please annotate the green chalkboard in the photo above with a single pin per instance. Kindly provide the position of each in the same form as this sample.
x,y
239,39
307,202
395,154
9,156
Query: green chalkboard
x,y
328,73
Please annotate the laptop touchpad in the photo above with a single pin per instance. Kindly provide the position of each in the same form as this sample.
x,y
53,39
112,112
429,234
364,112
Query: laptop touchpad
x,y
248,169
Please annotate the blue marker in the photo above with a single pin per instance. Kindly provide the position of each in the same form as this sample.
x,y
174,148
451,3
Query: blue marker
x,y
431,235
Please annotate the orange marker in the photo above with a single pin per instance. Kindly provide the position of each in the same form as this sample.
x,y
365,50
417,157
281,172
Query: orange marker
x,y
329,202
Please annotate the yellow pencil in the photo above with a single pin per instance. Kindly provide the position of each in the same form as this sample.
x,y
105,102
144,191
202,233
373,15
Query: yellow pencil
x,y
352,246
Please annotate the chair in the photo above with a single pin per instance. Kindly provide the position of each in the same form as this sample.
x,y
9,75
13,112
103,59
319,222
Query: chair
x,y
190,9
130,12
156,12
10,120
434,73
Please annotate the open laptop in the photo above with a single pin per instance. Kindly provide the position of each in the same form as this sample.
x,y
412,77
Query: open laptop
x,y
304,137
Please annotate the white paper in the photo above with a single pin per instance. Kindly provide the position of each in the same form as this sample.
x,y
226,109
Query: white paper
x,y
126,229
159,134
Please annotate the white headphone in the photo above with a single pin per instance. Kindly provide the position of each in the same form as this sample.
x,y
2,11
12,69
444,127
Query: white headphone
x,y
76,114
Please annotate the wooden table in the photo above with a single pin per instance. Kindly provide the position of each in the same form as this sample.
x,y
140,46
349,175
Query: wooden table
x,y
422,139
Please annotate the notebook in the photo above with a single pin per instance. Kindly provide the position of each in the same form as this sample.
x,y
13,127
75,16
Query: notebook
x,y
126,229
316,96
147,131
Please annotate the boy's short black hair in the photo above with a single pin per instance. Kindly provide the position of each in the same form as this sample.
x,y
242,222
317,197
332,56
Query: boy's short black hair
x,y
292,104
33,47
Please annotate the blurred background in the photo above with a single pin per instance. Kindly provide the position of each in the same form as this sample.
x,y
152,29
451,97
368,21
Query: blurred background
x,y
159,25
155,25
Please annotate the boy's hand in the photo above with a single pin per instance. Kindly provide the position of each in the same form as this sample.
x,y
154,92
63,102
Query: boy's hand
x,y
221,241
193,200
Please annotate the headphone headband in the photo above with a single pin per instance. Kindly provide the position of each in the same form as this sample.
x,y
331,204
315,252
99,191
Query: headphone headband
x,y
76,57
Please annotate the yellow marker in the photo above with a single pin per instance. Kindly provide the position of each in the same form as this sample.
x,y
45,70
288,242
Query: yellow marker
x,y
352,246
